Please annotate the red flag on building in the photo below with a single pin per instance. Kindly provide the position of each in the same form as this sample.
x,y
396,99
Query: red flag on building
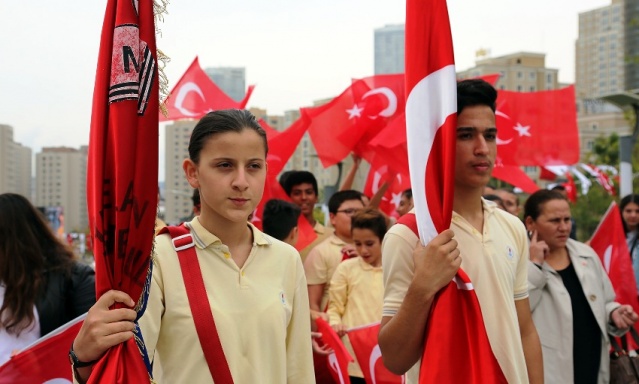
x,y
609,241
455,324
364,342
44,361
537,128
339,359
195,94
122,169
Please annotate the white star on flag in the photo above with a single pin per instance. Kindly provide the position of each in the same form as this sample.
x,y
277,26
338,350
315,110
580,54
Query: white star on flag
x,y
354,112
522,129
396,199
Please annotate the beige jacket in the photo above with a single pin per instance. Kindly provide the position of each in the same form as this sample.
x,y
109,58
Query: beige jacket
x,y
552,311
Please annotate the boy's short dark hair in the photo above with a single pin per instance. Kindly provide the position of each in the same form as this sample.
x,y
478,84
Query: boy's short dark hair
x,y
340,197
473,92
296,178
408,193
279,218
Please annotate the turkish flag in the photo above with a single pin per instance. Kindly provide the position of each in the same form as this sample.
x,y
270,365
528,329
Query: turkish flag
x,y
364,342
44,361
609,241
513,174
601,177
546,174
379,173
537,128
339,359
571,188
195,95
122,170
331,123
282,145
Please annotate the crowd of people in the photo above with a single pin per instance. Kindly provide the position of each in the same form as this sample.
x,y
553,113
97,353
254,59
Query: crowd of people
x,y
547,303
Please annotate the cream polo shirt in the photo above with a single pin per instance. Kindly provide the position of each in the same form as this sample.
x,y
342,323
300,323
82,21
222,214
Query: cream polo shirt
x,y
322,233
356,298
261,312
495,261
321,263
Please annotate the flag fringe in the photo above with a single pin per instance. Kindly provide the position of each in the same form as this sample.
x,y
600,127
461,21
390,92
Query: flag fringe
x,y
159,10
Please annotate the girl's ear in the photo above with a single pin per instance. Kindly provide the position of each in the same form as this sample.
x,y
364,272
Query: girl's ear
x,y
190,171
530,224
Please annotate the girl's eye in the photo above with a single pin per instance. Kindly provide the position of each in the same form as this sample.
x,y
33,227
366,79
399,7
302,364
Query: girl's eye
x,y
224,165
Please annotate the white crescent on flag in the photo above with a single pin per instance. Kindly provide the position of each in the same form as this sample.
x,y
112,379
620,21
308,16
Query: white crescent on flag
x,y
184,90
392,101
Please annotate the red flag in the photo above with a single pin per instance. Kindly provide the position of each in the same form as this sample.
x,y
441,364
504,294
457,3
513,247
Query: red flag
x,y
270,131
601,177
537,128
44,361
282,146
431,116
609,241
122,168
380,173
339,359
546,174
364,342
195,94
513,174
571,188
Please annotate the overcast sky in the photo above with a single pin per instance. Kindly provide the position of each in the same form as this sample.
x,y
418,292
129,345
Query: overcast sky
x,y
295,51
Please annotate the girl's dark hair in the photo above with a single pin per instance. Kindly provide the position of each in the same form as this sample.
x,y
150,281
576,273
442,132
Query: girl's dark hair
x,y
632,198
533,205
28,250
372,219
227,120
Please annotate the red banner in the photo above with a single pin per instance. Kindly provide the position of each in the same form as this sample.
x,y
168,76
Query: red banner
x,y
122,167
339,359
364,342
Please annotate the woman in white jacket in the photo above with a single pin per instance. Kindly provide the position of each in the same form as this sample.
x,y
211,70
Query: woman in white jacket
x,y
571,297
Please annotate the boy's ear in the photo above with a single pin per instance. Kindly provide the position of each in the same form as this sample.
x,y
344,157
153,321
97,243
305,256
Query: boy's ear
x,y
292,236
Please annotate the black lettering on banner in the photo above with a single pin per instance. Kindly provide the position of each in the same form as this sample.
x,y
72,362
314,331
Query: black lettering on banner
x,y
127,54
123,239
128,198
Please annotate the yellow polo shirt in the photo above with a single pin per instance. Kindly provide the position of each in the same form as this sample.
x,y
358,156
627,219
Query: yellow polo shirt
x,y
322,233
496,262
261,312
356,298
321,263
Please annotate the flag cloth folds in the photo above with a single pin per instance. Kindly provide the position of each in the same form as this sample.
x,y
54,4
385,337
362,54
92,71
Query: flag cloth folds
x,y
537,128
364,342
609,241
339,359
44,361
514,175
455,325
122,167
195,95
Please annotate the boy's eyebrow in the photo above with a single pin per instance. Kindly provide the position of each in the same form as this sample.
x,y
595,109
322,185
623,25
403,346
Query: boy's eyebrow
x,y
474,129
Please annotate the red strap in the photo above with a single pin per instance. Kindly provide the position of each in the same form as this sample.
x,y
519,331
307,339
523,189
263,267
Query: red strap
x,y
409,220
199,303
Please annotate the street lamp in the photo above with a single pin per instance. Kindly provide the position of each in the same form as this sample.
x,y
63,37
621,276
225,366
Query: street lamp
x,y
626,143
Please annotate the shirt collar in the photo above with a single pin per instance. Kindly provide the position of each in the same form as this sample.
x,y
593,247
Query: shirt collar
x,y
203,238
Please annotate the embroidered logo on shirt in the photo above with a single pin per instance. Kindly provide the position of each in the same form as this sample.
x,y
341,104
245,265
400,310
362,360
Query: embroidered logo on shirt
x,y
282,297
510,252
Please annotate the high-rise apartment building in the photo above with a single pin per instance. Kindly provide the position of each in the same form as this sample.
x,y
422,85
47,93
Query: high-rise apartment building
x,y
232,80
606,62
389,49
178,205
520,72
15,164
61,182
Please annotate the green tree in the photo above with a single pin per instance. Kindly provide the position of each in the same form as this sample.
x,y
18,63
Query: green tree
x,y
589,209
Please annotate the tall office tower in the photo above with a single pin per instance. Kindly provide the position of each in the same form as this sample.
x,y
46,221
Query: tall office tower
x,y
61,182
232,80
389,49
178,205
15,164
631,45
521,72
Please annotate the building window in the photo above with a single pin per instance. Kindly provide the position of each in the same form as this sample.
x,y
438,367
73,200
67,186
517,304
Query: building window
x,y
519,74
590,144
594,126
532,88
519,88
549,78
533,75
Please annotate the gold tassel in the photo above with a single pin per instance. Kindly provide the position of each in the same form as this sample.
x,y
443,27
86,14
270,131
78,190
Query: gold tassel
x,y
159,10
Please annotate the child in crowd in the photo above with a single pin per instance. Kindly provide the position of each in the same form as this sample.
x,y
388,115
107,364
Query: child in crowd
x,y
279,220
356,292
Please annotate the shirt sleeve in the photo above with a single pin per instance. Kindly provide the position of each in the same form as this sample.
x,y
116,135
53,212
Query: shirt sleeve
x,y
521,276
338,295
315,267
398,268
